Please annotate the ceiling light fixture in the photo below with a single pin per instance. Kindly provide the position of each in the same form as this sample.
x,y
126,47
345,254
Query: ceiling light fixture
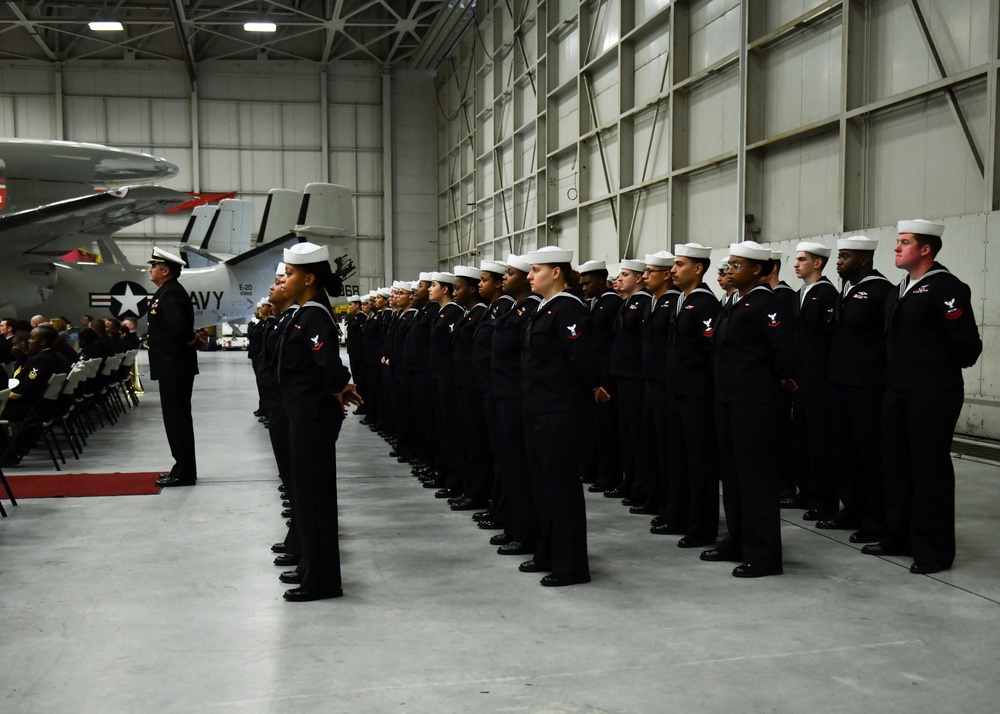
x,y
260,27
106,26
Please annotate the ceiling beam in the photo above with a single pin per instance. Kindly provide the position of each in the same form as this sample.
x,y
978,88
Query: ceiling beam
x,y
180,24
29,26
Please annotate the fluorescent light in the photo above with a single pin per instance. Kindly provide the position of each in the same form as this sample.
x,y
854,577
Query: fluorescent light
x,y
99,26
260,27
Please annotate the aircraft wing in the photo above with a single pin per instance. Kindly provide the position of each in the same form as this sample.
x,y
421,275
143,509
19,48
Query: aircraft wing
x,y
55,228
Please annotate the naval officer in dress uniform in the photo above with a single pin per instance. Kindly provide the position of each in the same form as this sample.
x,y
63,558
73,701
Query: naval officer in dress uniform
x,y
173,362
931,335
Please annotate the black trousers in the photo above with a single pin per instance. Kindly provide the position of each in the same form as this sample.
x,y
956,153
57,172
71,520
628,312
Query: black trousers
x,y
278,433
474,445
521,518
446,456
424,416
694,480
917,430
784,444
749,485
175,400
609,457
554,457
857,428
661,467
314,482
498,500
633,439
406,440
814,445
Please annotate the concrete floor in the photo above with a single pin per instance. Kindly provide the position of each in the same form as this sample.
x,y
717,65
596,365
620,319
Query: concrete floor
x,y
170,603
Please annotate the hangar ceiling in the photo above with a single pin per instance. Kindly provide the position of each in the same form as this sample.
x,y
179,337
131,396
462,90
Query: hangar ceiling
x,y
413,33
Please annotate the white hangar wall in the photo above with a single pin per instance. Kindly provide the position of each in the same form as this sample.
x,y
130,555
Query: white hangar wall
x,y
620,128
250,127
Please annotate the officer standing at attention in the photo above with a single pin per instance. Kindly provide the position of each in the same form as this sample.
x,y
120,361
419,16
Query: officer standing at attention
x,y
754,355
857,386
315,388
173,362
690,388
605,303
442,365
356,343
626,368
931,335
561,380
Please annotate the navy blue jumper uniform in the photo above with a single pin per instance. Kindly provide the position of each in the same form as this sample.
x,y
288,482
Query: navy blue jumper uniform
x,y
560,377
931,335
608,461
754,352
311,376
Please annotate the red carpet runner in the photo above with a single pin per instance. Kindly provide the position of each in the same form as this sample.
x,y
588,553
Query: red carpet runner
x,y
60,485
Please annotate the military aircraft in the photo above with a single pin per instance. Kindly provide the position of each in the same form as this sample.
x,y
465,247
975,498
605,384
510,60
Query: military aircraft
x,y
58,196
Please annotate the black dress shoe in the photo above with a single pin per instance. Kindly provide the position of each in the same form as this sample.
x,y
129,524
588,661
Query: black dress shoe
x,y
558,581
627,501
282,488
691,542
171,481
287,559
403,459
287,513
286,504
501,539
718,555
928,568
452,501
302,595
292,577
641,510
467,504
279,548
594,488
490,524
431,482
883,549
289,523
863,536
613,493
446,493
749,570
832,524
666,529
516,547
815,514
393,454
530,566
658,521
792,502
481,516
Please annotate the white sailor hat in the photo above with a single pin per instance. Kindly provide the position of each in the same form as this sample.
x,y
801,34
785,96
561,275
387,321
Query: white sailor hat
x,y
636,266
920,227
493,266
548,255
857,243
263,302
162,256
384,292
750,249
592,266
775,254
425,277
397,284
280,270
306,254
354,298
370,295
722,265
518,263
406,286
808,246
443,277
661,259
468,272
692,250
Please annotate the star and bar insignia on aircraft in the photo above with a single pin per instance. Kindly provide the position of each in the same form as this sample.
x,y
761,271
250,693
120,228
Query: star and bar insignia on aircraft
x,y
125,299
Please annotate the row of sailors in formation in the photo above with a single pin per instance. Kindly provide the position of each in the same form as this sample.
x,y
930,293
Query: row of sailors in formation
x,y
815,398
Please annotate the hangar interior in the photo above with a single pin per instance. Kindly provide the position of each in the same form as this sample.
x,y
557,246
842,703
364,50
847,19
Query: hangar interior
x,y
467,129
